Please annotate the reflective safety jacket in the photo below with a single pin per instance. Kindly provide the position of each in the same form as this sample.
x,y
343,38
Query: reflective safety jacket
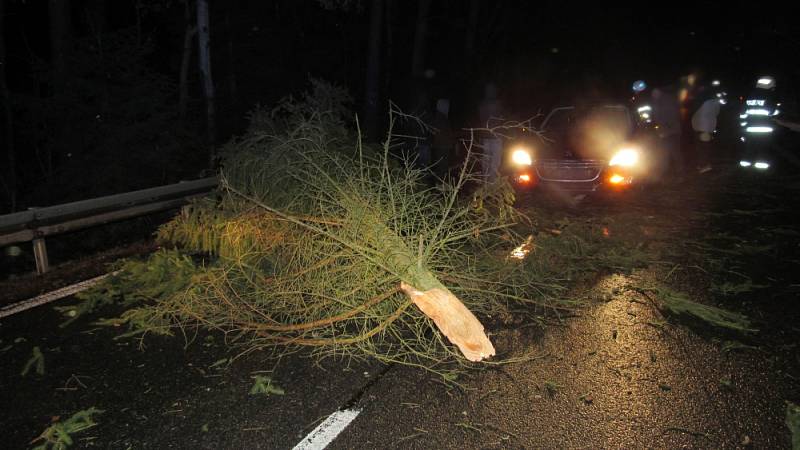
x,y
757,113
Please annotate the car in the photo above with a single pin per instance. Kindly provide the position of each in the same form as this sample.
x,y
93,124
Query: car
x,y
582,150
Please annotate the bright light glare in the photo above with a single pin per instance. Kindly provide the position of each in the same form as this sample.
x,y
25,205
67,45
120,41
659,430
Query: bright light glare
x,y
715,83
616,179
745,163
742,138
761,165
759,129
644,108
645,116
755,102
757,112
522,251
525,177
766,81
521,157
743,116
626,157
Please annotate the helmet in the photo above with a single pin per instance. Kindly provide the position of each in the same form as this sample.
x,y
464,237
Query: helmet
x,y
765,82
639,86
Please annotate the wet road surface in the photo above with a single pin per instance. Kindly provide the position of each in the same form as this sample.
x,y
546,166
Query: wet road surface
x,y
615,375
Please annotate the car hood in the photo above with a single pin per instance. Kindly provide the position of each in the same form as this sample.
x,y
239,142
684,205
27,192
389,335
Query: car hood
x,y
595,146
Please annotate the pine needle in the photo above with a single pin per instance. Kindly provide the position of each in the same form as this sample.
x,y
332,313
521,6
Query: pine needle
x,y
58,436
36,360
679,304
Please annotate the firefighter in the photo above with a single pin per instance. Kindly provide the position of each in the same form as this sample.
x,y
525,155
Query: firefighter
x,y
641,102
757,126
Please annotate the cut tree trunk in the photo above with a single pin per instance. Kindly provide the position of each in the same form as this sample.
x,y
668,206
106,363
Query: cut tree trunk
x,y
453,319
449,314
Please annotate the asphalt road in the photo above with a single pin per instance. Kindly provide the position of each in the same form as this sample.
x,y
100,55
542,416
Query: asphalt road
x,y
616,375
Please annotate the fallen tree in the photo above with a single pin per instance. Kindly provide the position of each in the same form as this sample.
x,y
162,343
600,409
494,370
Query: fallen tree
x,y
319,240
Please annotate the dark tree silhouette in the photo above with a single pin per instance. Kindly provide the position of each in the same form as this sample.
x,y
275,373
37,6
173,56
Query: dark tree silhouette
x,y
420,41
10,183
372,91
204,59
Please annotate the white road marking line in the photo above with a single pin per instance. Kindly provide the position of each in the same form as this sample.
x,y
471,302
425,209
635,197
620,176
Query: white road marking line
x,y
327,431
51,296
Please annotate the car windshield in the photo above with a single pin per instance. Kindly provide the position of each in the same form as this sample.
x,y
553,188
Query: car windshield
x,y
588,132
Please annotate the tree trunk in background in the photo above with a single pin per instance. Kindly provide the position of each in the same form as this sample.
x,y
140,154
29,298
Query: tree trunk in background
x,y
59,12
389,52
204,58
420,43
95,11
373,69
232,88
183,78
7,121
138,9
96,15
472,27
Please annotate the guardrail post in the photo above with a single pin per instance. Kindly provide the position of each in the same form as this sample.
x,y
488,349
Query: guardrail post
x,y
40,254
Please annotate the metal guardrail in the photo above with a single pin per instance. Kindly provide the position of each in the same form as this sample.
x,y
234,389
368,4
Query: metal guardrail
x,y
36,224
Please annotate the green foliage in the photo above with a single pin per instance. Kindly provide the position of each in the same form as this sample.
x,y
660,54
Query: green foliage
x,y
727,289
36,360
264,386
58,436
679,303
166,273
552,388
793,422
730,346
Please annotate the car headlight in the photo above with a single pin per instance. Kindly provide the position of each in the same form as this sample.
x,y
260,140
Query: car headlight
x,y
521,157
626,157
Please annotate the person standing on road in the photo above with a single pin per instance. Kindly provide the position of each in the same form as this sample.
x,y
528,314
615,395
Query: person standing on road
x,y
704,125
757,125
667,117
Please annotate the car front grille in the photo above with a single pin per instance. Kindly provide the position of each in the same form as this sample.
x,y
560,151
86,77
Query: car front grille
x,y
569,170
